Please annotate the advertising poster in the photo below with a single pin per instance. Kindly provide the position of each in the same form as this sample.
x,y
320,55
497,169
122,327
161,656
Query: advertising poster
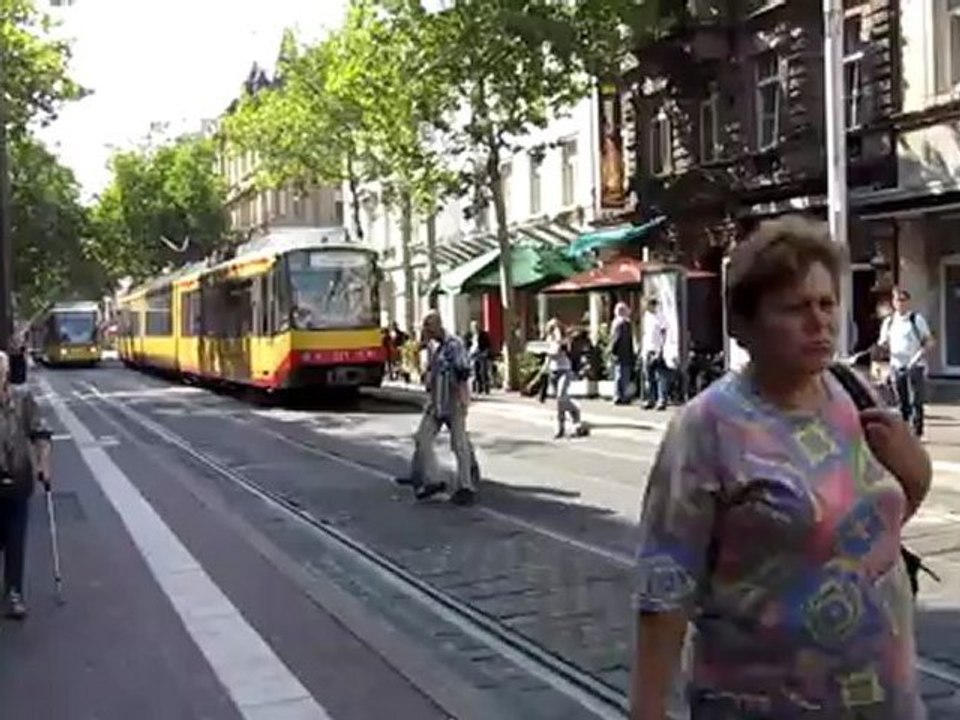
x,y
612,180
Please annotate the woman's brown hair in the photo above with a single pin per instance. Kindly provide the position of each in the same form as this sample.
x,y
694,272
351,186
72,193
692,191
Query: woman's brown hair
x,y
776,255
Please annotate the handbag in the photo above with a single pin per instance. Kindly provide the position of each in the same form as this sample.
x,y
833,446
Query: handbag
x,y
864,400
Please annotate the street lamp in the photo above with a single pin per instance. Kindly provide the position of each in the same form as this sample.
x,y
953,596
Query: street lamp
x,y
6,256
837,151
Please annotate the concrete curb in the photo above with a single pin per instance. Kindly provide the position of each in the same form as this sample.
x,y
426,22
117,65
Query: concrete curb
x,y
415,396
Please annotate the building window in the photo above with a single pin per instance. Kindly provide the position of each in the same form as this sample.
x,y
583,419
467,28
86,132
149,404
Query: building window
x,y
853,88
661,144
536,182
709,129
568,159
948,52
770,92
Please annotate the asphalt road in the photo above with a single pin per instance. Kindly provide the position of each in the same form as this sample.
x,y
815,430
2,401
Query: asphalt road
x,y
262,501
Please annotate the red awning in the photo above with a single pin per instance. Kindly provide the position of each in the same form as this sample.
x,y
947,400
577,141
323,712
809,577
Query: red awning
x,y
621,272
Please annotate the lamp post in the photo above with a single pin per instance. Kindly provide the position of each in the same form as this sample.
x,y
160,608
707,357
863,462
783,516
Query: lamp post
x,y
837,151
6,270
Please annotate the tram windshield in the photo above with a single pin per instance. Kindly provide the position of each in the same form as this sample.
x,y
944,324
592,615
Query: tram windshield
x,y
76,328
333,289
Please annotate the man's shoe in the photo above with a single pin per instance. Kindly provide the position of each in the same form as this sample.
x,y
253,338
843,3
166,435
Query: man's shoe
x,y
427,491
16,610
403,481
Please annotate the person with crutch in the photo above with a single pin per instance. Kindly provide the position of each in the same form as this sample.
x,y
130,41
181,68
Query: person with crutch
x,y
24,460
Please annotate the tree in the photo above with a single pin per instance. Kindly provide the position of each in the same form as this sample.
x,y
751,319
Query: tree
x,y
302,132
348,109
509,66
160,200
48,228
33,67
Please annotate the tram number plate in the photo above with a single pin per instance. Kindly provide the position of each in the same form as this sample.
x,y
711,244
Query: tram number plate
x,y
342,376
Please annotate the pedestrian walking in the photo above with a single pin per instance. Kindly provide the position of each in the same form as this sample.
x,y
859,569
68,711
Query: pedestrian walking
x,y
656,374
772,517
906,335
447,383
560,367
18,363
24,461
622,352
479,347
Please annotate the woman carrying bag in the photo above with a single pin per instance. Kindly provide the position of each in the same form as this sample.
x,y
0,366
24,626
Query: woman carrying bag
x,y
24,461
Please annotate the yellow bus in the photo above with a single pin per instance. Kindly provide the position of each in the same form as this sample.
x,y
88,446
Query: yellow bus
x,y
69,334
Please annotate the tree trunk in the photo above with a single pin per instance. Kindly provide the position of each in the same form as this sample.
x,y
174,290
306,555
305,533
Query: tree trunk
x,y
433,272
354,183
511,372
406,242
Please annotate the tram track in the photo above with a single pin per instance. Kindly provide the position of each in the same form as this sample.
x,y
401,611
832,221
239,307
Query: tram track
x,y
601,699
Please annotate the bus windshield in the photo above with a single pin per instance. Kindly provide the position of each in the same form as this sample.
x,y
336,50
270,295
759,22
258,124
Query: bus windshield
x,y
332,289
76,328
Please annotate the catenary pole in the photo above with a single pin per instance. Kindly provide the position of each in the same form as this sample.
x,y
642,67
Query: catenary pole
x,y
837,153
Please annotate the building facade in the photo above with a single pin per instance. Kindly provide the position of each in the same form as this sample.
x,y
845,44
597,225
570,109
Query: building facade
x,y
922,211
549,191
251,208
728,115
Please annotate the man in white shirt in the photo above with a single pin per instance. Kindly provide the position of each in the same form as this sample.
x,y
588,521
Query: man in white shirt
x,y
906,334
656,374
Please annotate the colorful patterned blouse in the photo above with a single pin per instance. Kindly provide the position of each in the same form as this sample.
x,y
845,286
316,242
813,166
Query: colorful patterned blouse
x,y
779,533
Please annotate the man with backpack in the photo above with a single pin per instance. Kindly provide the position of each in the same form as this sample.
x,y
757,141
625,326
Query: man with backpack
x,y
906,335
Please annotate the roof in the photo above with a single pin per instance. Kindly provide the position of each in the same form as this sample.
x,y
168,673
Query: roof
x,y
276,241
611,237
78,306
621,272
465,249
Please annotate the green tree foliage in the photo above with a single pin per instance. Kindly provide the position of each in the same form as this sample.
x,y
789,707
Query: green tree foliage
x,y
48,225
164,206
33,66
354,108
509,67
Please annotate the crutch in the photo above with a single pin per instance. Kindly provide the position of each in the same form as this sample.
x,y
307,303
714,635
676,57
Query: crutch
x,y
54,545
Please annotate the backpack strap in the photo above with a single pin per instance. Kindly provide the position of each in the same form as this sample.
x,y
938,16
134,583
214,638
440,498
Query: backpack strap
x,y
916,328
853,385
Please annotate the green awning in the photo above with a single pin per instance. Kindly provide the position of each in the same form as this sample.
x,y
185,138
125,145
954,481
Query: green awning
x,y
623,235
453,282
531,265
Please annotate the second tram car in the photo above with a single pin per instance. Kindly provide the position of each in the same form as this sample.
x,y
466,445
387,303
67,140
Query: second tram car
x,y
68,334
297,308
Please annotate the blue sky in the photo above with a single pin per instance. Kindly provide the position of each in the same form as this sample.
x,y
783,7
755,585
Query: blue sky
x,y
167,61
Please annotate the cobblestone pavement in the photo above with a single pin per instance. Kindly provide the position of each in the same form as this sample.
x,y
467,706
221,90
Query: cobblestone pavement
x,y
546,553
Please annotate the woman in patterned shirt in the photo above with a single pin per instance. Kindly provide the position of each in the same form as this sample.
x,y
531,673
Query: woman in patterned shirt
x,y
772,518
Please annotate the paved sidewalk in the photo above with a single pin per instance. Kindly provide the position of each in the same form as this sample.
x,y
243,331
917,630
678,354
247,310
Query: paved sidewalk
x,y
942,439
115,649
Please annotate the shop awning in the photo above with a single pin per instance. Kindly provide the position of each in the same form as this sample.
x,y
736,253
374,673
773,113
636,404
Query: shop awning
x,y
455,281
623,235
618,273
531,265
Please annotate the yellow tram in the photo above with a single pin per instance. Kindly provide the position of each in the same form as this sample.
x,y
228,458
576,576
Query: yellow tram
x,y
296,308
68,334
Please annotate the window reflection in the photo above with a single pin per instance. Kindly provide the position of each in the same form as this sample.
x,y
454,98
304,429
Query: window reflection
x,y
332,289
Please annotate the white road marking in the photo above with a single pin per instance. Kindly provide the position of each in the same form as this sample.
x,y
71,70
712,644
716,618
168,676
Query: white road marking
x,y
261,686
365,555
